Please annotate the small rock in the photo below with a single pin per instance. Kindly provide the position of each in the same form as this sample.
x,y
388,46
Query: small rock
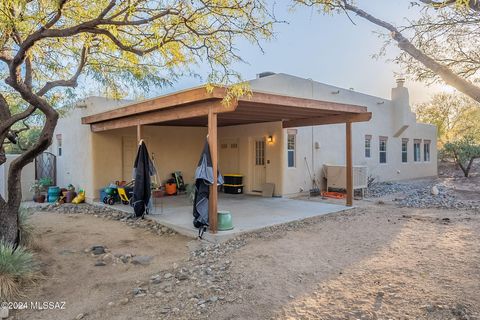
x,y
167,275
435,191
181,276
158,294
111,304
97,250
213,299
164,310
79,316
291,296
107,258
100,263
142,260
124,301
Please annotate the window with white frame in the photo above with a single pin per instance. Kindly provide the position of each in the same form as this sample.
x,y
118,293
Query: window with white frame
x,y
416,150
382,147
426,150
368,146
291,145
59,144
404,150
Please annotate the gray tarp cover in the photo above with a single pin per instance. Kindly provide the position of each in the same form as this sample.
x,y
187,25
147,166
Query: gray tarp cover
x,y
203,179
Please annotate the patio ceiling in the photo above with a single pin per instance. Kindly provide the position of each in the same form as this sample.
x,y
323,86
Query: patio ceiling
x,y
191,107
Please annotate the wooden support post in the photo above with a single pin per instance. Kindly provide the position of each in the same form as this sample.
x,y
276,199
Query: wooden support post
x,y
349,163
213,198
139,133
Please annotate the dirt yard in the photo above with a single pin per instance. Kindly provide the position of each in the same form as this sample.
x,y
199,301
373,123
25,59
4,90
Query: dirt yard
x,y
377,261
70,272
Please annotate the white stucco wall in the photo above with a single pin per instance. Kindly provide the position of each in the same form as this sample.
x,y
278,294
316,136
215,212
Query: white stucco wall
x,y
28,176
92,160
75,165
331,138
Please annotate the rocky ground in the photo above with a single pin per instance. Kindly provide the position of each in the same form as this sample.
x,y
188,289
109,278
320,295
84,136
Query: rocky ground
x,y
451,190
389,258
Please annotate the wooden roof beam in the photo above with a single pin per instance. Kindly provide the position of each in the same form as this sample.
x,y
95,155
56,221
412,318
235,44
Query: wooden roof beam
x,y
171,100
154,117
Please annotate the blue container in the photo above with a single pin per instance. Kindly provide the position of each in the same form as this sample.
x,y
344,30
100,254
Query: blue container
x,y
54,191
52,198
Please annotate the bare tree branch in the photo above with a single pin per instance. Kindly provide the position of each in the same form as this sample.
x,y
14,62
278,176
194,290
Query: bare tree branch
x,y
472,4
447,75
72,82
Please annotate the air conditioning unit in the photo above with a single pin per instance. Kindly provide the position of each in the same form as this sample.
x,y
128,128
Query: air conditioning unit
x,y
337,176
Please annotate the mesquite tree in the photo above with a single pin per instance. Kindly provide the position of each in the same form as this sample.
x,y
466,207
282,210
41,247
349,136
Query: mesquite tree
x,y
442,44
48,47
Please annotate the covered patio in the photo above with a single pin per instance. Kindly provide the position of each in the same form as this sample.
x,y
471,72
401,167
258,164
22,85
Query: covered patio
x,y
201,108
250,213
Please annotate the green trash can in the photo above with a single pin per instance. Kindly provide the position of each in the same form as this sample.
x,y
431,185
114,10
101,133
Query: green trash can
x,y
224,220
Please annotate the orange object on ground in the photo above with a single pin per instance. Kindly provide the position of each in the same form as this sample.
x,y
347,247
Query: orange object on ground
x,y
334,195
170,189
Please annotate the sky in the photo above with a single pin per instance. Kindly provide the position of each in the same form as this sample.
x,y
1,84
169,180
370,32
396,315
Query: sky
x,y
329,49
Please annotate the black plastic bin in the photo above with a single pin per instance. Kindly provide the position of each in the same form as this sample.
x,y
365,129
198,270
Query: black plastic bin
x,y
233,179
233,188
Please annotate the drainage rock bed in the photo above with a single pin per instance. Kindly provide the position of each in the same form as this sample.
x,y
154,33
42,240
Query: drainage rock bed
x,y
418,194
106,213
445,199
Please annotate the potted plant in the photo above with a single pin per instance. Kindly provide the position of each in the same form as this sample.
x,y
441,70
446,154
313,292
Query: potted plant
x,y
37,189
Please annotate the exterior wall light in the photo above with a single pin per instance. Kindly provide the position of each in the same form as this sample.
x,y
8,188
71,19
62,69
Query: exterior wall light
x,y
270,139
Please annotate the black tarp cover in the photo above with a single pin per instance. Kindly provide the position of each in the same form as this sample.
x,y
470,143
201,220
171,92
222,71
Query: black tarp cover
x,y
203,179
143,169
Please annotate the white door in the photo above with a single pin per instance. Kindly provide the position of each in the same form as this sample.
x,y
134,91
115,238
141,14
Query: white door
x,y
259,168
228,156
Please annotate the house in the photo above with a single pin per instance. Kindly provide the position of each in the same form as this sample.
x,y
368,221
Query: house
x,y
283,134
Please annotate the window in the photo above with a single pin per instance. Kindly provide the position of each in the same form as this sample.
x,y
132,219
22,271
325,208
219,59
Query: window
x,y
291,150
404,150
59,145
260,152
383,150
416,150
368,145
426,150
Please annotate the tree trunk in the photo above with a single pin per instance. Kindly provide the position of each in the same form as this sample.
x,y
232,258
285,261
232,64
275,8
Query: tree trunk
x,y
8,223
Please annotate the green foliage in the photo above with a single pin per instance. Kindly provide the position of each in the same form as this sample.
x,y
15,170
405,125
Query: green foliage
x,y
25,227
464,151
26,139
16,267
455,116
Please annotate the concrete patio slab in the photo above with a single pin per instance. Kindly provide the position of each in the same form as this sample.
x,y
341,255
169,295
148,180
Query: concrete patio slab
x,y
249,213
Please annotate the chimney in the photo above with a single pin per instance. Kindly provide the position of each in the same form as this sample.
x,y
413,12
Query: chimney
x,y
400,82
402,114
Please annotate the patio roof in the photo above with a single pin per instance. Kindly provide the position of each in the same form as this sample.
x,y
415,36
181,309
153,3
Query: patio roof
x,y
199,107
191,107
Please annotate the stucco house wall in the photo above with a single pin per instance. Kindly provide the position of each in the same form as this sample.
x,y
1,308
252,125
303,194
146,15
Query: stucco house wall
x,y
27,178
390,118
92,160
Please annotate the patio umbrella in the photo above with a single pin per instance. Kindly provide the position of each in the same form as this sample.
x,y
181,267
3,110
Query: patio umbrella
x,y
143,169
203,180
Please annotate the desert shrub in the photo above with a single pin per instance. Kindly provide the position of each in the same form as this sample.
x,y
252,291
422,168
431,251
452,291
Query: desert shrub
x,y
17,266
25,227
464,151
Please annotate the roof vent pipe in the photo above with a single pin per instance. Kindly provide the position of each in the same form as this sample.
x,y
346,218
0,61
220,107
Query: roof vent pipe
x,y
265,74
